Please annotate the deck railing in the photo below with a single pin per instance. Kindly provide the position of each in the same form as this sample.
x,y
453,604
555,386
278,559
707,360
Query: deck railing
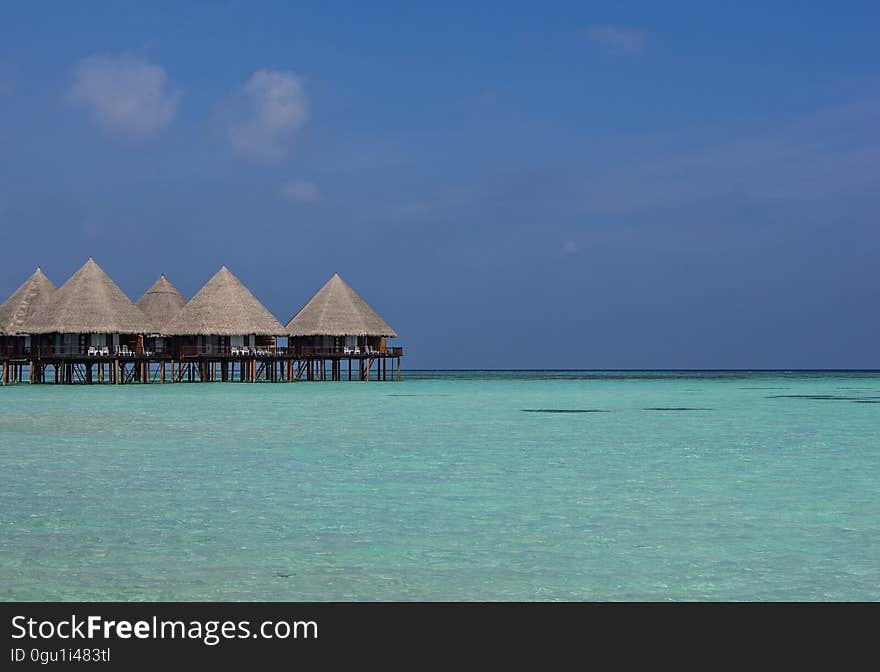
x,y
77,351
292,351
358,351
230,351
123,352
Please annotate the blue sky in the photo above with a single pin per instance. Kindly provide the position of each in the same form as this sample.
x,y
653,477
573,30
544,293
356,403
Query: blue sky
x,y
535,185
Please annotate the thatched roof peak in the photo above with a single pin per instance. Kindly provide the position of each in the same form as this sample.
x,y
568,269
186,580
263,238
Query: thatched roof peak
x,y
162,286
161,302
88,303
223,307
337,310
30,298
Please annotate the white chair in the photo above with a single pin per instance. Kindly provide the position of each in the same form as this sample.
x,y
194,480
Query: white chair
x,y
93,351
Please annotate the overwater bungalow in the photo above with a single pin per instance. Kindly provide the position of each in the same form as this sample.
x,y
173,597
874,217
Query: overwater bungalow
x,y
337,322
160,303
89,331
15,342
223,318
88,316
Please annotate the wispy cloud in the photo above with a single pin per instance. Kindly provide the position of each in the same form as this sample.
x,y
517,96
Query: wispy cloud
x,y
300,191
831,153
125,94
442,202
616,39
569,248
265,113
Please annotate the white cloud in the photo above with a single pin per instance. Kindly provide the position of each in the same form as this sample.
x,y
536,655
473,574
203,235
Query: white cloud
x,y
125,94
300,191
617,40
265,114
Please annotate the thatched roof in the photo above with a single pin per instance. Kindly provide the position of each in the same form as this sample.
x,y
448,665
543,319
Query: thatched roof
x,y
337,310
223,307
161,302
89,303
27,300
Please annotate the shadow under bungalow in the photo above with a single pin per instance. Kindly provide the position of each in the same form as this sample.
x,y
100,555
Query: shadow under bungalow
x,y
88,331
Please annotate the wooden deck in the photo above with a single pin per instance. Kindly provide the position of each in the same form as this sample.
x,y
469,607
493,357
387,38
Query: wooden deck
x,y
194,364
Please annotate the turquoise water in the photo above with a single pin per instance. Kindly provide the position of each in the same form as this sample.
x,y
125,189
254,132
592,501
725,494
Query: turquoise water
x,y
446,486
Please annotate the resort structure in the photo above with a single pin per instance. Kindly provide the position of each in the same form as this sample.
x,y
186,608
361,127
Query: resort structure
x,y
160,303
15,312
338,324
89,331
221,323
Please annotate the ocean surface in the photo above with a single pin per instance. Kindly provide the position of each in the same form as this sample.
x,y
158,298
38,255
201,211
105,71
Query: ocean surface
x,y
446,486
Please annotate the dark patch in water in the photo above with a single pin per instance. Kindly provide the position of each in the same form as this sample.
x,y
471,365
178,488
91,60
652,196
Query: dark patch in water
x,y
823,397
865,401
676,408
802,396
284,576
416,395
564,410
